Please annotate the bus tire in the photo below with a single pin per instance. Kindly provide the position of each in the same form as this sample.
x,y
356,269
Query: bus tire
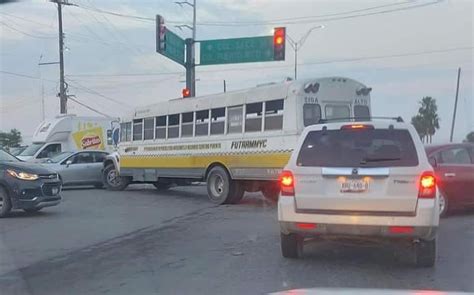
x,y
113,181
237,193
220,187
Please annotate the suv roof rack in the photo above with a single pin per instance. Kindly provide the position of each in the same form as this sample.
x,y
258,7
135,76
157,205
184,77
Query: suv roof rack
x,y
397,119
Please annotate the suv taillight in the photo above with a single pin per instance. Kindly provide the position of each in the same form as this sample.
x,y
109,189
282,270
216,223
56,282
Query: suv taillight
x,y
427,186
287,183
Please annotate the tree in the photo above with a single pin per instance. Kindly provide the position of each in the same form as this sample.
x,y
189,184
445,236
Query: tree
x,y
426,122
470,137
10,139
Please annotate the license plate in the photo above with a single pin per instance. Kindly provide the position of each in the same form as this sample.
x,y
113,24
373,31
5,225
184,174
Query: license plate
x,y
354,186
55,190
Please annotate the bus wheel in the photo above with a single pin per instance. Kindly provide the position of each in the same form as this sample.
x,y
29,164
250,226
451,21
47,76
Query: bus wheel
x,y
113,181
220,187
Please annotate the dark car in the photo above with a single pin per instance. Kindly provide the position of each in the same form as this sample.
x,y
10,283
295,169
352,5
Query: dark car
x,y
454,169
26,186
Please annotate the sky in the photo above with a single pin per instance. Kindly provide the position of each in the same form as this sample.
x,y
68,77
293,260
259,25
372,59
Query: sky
x,y
404,50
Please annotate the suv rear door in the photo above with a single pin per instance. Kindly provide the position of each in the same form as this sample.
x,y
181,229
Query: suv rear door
x,y
358,170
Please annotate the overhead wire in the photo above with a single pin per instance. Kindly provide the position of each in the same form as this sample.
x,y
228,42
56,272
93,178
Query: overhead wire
x,y
26,33
285,66
293,20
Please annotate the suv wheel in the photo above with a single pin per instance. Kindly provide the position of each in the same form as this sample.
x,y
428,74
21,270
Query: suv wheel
x,y
425,253
5,203
291,245
113,181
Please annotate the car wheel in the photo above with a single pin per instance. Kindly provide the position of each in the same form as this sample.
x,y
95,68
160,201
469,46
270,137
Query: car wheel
x,y
5,203
425,253
113,181
221,189
32,210
443,205
291,245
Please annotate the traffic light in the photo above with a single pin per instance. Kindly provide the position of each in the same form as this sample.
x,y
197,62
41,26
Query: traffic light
x,y
279,40
186,92
160,34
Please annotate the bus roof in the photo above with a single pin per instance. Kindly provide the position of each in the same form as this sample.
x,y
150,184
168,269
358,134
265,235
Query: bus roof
x,y
236,97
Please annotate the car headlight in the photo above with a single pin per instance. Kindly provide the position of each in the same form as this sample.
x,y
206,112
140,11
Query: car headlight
x,y
22,175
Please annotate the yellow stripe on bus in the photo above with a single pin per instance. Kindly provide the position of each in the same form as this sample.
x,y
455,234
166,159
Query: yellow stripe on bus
x,y
264,160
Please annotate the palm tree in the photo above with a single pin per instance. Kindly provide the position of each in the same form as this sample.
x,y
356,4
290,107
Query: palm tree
x,y
426,122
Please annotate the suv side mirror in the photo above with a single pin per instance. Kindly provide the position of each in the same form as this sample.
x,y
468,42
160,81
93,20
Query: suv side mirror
x,y
68,162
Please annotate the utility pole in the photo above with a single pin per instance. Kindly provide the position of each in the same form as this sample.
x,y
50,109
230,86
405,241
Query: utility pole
x,y
62,83
225,87
455,106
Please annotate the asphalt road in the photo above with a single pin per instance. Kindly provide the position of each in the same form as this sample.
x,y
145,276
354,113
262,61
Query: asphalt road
x,y
141,241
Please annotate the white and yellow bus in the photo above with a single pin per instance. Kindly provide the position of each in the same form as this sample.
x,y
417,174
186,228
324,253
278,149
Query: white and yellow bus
x,y
235,141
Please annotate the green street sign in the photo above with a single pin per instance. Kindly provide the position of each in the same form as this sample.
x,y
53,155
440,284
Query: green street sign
x,y
238,50
174,47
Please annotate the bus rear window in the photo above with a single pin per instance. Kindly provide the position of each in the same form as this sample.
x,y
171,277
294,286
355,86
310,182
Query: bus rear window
x,y
361,111
358,148
337,112
311,114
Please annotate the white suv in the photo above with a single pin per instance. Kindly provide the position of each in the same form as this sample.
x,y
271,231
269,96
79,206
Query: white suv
x,y
357,180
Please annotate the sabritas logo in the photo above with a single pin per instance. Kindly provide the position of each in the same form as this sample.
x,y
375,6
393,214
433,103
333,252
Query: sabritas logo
x,y
89,141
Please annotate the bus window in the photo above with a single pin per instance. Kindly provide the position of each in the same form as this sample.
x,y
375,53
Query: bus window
x,y
217,121
187,124
125,131
148,128
361,111
337,112
173,126
138,129
311,114
274,115
234,121
253,117
202,123
160,129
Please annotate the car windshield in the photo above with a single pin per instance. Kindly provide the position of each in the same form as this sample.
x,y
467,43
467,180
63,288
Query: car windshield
x,y
32,149
59,157
358,148
6,157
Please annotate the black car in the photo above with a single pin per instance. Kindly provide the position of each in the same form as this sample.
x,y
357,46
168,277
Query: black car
x,y
26,186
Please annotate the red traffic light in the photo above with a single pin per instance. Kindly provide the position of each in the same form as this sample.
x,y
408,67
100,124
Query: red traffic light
x,y
279,36
186,92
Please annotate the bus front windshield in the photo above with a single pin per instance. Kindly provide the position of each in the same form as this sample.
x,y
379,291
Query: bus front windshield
x,y
32,149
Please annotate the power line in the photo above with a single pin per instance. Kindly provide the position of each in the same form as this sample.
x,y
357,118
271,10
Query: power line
x,y
26,19
91,91
26,76
25,33
293,20
88,107
285,66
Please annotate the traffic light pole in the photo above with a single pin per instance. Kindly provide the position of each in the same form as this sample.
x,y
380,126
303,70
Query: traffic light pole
x,y
193,54
190,67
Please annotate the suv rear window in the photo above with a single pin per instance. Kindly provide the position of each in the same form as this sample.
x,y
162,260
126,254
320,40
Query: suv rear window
x,y
358,148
